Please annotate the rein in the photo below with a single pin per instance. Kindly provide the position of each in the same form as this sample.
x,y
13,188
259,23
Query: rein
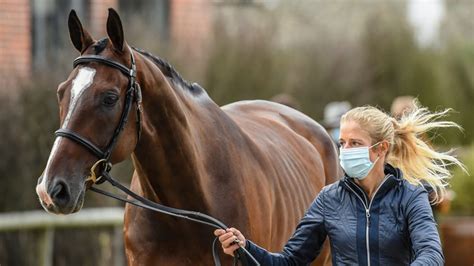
x,y
133,95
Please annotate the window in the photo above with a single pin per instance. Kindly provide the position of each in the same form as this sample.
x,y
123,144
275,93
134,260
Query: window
x,y
50,35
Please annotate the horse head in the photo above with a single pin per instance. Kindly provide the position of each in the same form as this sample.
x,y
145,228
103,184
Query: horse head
x,y
92,104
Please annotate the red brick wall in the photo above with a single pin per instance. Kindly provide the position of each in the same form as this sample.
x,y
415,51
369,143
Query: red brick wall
x,y
99,12
16,37
190,22
15,42
190,30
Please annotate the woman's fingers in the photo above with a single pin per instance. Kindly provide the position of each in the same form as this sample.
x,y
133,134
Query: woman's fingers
x,y
239,236
230,250
225,236
219,232
231,239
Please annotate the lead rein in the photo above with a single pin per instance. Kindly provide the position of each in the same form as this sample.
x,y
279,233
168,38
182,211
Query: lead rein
x,y
179,213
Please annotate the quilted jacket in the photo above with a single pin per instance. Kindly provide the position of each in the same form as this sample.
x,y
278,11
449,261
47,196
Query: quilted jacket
x,y
396,227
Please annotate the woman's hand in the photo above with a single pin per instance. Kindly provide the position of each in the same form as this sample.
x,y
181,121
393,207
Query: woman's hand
x,y
231,239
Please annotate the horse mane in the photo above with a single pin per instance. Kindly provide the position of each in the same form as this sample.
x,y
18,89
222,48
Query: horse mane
x,y
169,71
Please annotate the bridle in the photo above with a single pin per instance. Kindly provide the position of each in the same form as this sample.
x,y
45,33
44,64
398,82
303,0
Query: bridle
x,y
134,95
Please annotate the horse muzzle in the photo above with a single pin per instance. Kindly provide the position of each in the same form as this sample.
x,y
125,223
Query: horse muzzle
x,y
59,197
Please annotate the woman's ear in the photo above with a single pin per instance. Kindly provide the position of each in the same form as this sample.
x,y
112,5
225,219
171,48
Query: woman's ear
x,y
384,147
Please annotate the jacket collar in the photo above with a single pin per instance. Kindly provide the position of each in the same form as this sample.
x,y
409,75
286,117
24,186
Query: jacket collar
x,y
394,177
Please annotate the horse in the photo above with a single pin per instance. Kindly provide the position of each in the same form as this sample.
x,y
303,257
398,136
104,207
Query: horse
x,y
256,165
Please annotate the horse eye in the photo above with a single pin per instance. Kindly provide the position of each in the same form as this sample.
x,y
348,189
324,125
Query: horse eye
x,y
110,99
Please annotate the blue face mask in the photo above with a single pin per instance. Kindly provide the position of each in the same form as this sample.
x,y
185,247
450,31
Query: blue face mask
x,y
356,161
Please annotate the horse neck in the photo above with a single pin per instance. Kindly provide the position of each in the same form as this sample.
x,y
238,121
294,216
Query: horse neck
x,y
166,159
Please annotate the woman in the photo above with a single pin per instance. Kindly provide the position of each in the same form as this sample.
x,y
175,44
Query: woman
x,y
379,213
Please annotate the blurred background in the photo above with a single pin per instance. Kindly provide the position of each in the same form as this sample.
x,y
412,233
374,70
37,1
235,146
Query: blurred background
x,y
304,53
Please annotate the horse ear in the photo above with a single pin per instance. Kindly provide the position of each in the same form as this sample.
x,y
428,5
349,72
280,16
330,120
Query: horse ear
x,y
79,36
115,30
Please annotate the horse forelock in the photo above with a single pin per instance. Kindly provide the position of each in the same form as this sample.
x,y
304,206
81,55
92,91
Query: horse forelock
x,y
100,45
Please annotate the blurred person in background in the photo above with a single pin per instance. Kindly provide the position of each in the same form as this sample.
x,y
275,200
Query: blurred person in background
x,y
379,213
402,105
332,116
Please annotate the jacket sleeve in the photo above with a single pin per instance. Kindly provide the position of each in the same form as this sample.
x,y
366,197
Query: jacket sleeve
x,y
426,245
305,244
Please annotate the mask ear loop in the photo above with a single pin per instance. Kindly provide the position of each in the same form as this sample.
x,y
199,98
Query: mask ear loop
x,y
378,157
376,144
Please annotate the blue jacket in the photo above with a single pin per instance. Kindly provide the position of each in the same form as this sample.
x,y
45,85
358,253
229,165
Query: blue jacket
x,y
395,228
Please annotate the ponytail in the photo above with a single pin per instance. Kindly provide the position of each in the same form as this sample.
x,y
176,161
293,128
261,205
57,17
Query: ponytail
x,y
413,154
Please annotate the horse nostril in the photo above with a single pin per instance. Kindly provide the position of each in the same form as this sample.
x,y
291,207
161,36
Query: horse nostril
x,y
60,193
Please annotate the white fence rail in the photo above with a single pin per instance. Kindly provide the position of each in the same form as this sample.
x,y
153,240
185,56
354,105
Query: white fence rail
x,y
86,218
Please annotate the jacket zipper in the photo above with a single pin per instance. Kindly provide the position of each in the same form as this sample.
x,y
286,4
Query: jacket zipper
x,y
367,215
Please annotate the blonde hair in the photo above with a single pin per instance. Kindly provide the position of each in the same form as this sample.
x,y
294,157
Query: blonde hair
x,y
409,149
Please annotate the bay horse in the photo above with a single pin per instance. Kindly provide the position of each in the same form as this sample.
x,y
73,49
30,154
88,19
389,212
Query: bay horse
x,y
255,165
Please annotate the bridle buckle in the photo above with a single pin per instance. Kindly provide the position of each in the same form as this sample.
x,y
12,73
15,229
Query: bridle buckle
x,y
93,176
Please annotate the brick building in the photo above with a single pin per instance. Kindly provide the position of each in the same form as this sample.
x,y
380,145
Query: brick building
x,y
33,33
15,42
